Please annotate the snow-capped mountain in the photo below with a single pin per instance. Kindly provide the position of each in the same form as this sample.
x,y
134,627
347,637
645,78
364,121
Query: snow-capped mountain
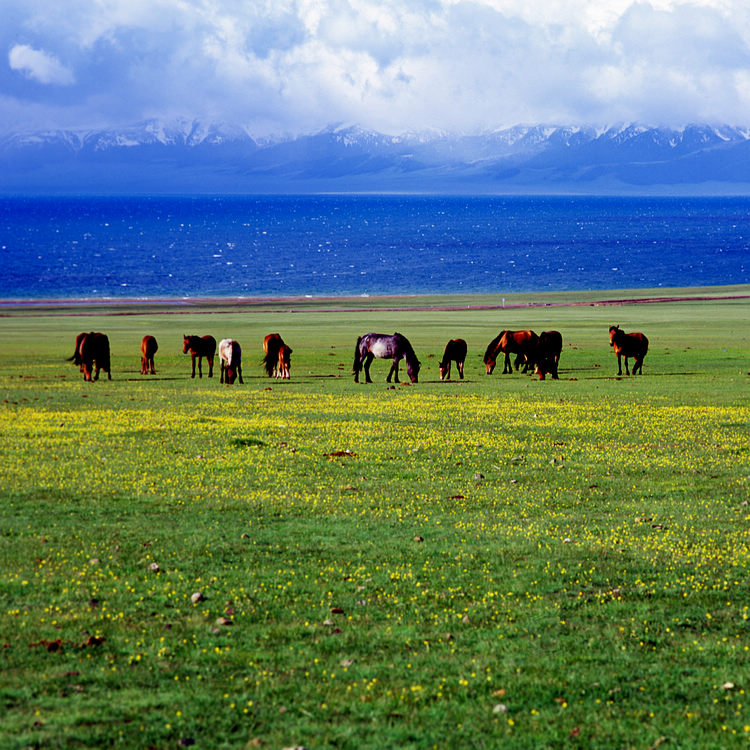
x,y
194,157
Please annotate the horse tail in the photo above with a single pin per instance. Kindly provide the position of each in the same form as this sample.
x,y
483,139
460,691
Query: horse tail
x,y
357,357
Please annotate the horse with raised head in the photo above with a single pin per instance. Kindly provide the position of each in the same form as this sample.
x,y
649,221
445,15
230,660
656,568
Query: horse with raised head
x,y
149,347
395,347
271,345
285,362
626,345
93,352
230,361
522,343
455,351
547,354
199,347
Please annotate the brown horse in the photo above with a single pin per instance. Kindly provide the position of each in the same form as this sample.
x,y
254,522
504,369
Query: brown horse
x,y
455,351
149,347
230,361
522,343
271,346
94,356
285,361
626,345
200,347
547,355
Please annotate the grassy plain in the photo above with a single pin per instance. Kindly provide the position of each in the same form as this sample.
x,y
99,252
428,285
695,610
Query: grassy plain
x,y
497,561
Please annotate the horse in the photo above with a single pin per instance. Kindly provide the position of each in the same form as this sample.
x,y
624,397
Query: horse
x,y
76,358
626,345
230,361
381,345
547,354
455,351
200,347
93,352
523,343
285,361
271,346
149,347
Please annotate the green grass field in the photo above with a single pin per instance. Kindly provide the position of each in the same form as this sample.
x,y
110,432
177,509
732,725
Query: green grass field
x,y
494,562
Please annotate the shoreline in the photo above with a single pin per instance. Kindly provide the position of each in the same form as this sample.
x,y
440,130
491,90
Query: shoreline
x,y
386,303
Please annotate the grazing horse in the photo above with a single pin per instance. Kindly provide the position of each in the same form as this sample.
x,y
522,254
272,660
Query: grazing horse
x,y
285,361
230,361
381,345
626,345
547,355
200,347
76,358
271,346
455,351
523,343
93,352
149,347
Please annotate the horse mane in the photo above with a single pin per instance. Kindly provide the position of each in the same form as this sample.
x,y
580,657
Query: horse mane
x,y
492,346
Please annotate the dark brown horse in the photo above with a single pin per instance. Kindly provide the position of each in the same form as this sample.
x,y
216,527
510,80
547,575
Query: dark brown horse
x,y
149,347
199,347
285,362
94,356
230,361
271,349
522,343
547,354
626,345
455,351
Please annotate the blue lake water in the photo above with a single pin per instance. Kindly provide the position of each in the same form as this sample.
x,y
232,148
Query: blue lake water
x,y
357,245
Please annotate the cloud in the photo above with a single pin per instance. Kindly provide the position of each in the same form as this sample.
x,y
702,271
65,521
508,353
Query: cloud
x,y
40,66
393,65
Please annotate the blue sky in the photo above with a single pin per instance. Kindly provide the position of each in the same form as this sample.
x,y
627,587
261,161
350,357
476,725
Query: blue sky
x,y
296,66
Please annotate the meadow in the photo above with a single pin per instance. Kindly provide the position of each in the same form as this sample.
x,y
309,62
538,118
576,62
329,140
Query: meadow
x,y
493,562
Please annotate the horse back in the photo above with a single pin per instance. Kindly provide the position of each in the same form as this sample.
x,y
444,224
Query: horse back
x,y
149,347
550,342
456,350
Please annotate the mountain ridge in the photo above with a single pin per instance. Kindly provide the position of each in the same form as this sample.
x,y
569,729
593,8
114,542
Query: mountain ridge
x,y
191,156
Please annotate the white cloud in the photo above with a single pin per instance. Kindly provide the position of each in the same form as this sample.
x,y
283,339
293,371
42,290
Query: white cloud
x,y
395,65
39,65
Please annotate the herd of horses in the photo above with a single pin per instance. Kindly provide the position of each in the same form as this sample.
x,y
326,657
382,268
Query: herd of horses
x,y
537,353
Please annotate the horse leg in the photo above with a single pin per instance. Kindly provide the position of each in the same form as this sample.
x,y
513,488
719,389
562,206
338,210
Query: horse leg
x,y
460,366
507,366
153,367
619,365
239,374
448,370
627,371
221,375
192,356
367,363
393,371
638,366
210,366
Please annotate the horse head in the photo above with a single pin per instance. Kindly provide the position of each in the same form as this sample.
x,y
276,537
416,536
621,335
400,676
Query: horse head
x,y
412,369
185,343
614,332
